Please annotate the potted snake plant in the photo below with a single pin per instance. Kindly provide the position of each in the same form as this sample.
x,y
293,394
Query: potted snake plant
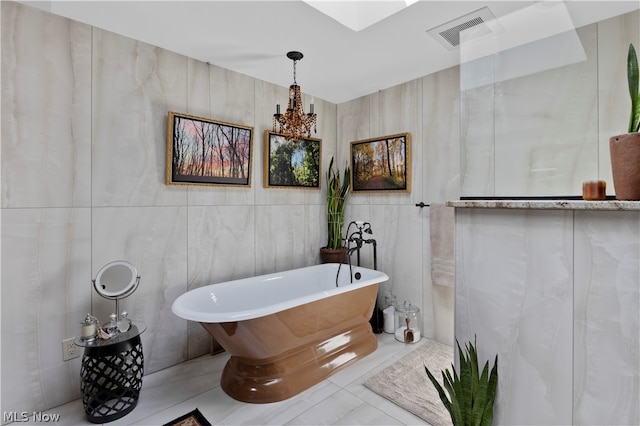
x,y
625,148
338,187
472,393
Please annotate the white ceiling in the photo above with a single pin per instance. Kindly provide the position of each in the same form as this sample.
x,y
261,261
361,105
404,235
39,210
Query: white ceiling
x,y
339,64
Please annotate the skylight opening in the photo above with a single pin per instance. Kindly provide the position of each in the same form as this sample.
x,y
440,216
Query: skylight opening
x,y
358,15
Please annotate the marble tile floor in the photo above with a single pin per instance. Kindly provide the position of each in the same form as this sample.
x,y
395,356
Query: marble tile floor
x,y
341,399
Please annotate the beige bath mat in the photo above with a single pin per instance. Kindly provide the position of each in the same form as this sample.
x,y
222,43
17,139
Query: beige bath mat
x,y
405,383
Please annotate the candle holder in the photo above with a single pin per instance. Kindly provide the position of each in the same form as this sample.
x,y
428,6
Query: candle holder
x,y
594,190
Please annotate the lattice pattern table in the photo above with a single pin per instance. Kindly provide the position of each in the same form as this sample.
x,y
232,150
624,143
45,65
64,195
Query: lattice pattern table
x,y
111,376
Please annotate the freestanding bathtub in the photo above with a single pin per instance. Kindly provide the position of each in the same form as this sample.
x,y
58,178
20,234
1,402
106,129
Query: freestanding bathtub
x,y
286,331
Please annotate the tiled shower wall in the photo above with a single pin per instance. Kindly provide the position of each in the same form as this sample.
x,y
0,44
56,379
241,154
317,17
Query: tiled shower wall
x,y
83,161
546,132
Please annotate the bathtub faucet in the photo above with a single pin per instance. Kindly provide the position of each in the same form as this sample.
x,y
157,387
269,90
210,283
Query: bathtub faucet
x,y
356,237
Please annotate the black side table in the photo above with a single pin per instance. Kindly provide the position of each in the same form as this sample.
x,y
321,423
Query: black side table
x,y
111,374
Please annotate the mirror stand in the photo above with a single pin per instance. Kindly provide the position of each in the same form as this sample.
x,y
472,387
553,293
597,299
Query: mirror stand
x,y
113,363
123,296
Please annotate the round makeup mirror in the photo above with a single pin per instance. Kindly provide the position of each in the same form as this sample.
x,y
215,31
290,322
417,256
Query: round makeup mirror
x,y
116,280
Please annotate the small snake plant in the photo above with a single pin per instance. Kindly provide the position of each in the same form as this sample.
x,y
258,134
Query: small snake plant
x,y
633,76
472,393
337,191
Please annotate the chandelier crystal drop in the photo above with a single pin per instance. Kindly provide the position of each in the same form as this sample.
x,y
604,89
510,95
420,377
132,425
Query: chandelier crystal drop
x,y
294,124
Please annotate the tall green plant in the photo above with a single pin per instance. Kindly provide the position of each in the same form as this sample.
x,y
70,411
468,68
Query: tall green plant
x,y
337,191
633,76
472,393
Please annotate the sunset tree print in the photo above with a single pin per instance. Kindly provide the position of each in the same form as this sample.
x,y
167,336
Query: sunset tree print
x,y
206,151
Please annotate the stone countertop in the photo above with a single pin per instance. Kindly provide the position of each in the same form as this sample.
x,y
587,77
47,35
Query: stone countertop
x,y
550,204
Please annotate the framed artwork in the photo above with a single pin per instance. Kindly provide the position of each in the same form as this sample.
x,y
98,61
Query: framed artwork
x,y
289,165
202,151
381,164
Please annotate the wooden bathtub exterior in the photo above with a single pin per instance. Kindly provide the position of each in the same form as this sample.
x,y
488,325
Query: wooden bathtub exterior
x,y
279,355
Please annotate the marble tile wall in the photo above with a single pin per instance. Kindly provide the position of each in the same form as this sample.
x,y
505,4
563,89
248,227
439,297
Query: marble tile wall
x,y
42,77
46,199
606,323
518,137
556,296
516,300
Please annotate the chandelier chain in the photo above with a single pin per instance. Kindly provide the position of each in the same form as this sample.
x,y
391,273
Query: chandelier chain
x,y
294,71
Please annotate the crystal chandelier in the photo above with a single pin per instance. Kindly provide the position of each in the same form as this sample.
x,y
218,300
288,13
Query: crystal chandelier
x,y
294,124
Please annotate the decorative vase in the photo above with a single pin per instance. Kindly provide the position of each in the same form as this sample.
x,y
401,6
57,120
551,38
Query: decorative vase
x,y
328,255
625,165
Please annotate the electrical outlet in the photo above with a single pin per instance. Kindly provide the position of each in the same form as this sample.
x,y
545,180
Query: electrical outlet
x,y
69,349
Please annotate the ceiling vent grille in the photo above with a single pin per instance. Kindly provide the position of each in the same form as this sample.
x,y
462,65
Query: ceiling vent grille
x,y
448,34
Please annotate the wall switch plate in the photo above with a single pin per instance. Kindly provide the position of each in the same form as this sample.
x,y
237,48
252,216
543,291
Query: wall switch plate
x,y
69,349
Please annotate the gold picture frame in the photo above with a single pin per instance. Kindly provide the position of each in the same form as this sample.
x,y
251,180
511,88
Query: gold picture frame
x,y
289,165
203,151
381,164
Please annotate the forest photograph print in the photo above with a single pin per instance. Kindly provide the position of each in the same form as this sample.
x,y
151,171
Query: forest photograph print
x,y
291,165
381,164
201,151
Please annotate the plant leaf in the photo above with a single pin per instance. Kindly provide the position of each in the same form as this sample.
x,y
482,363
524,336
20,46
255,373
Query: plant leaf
x,y
441,392
450,384
480,394
633,77
493,380
492,388
466,382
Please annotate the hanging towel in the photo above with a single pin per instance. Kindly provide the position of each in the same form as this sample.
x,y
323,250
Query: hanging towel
x,y
441,226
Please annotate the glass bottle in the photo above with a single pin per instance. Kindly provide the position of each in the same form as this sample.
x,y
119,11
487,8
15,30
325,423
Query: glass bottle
x,y
112,327
124,322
